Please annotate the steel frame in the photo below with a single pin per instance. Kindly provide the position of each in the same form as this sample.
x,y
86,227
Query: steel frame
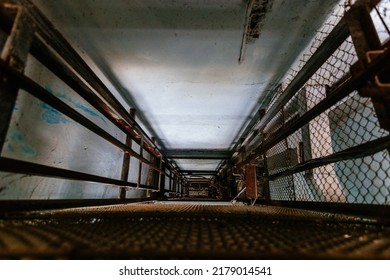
x,y
373,64
28,31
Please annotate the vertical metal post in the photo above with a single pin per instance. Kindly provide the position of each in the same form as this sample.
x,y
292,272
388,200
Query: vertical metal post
x,y
181,186
177,183
126,161
162,178
265,182
170,180
160,173
141,152
174,182
14,52
151,177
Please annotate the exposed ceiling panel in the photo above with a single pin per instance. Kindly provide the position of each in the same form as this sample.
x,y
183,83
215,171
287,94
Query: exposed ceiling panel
x,y
177,62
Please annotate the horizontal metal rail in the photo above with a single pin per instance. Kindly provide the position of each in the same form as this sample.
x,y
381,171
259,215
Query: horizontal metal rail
x,y
36,90
29,168
337,36
51,49
334,96
54,39
41,52
359,151
9,207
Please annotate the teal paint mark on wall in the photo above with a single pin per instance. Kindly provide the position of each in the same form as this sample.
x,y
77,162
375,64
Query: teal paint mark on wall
x,y
89,111
27,150
51,115
18,144
16,135
78,105
11,147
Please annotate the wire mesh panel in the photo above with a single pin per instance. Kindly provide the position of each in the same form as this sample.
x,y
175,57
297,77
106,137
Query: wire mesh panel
x,y
328,158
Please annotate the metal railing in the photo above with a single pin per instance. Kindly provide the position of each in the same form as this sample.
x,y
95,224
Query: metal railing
x,y
324,137
26,33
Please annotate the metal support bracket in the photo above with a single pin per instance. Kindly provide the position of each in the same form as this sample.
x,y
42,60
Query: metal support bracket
x,y
379,81
368,48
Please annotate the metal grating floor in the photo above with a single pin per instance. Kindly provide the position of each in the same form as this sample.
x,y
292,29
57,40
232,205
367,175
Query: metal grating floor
x,y
190,230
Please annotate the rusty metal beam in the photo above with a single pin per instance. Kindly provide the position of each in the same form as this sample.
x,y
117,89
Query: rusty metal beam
x,y
54,38
14,54
250,181
47,57
366,40
334,95
40,93
360,151
126,162
337,36
9,206
363,31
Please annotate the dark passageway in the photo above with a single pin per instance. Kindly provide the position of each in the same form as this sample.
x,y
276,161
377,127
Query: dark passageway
x,y
194,129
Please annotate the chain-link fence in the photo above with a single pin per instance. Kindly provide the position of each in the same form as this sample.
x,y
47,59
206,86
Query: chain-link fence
x,y
320,160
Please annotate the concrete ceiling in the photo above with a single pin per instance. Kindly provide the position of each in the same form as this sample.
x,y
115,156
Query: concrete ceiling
x,y
177,62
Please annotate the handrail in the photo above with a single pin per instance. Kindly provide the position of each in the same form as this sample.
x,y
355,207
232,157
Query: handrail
x,y
335,38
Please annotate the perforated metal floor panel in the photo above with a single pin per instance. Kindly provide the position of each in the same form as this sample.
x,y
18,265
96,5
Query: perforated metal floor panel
x,y
190,230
